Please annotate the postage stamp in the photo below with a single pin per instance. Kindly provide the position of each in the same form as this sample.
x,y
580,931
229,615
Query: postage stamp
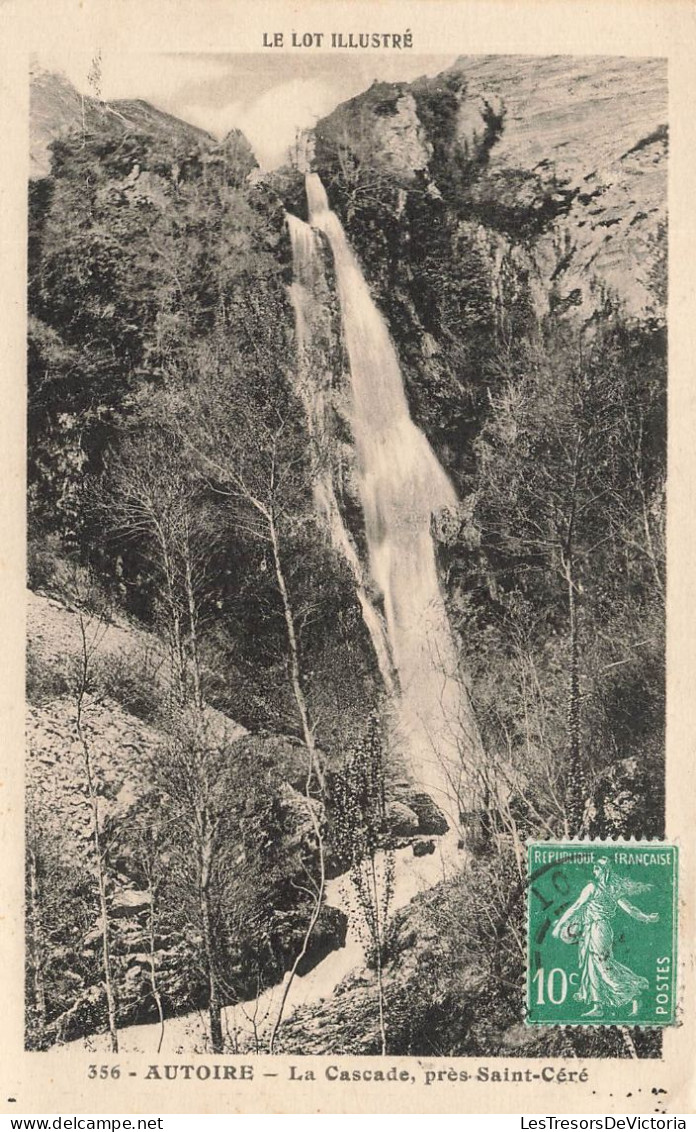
x,y
601,933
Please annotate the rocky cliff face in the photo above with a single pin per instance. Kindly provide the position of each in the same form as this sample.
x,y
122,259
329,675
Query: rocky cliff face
x,y
599,128
561,161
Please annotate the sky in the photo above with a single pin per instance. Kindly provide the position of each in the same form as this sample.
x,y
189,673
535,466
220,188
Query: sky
x,y
267,96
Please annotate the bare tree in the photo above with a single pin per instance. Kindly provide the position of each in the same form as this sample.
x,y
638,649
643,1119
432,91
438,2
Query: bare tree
x,y
92,627
256,455
196,773
359,826
539,507
149,852
315,890
151,496
36,950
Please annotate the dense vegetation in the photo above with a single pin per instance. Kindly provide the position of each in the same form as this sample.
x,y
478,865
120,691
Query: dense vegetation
x,y
170,478
554,434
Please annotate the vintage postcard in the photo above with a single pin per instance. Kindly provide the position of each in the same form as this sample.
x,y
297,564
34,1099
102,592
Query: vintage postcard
x,y
348,574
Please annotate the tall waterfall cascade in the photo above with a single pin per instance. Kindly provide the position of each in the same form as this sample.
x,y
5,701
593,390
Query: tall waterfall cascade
x,y
402,488
308,273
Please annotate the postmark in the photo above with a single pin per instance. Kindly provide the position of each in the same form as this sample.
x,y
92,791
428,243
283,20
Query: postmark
x,y
601,933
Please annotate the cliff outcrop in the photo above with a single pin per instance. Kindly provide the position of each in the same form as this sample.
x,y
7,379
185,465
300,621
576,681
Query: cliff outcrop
x,y
562,162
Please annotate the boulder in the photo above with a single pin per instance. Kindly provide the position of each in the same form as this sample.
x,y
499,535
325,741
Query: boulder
x,y
329,934
298,809
402,821
129,902
431,820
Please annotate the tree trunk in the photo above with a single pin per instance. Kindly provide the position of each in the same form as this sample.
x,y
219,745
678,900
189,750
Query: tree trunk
x,y
300,700
151,956
178,658
193,632
313,767
103,907
649,546
37,943
316,909
98,849
574,692
106,960
576,781
214,1003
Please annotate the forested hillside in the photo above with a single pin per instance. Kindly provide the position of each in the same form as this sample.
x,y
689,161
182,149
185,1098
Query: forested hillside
x,y
214,737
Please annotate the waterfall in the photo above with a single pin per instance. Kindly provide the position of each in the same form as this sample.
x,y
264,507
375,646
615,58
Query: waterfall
x,y
402,489
308,328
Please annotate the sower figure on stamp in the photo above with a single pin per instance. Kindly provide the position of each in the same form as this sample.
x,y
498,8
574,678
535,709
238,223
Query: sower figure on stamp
x,y
603,980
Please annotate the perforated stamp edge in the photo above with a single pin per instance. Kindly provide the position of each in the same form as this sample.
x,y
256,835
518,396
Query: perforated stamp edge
x,y
635,843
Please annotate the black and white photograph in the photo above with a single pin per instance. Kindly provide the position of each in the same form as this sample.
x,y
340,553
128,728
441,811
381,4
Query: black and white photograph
x,y
346,480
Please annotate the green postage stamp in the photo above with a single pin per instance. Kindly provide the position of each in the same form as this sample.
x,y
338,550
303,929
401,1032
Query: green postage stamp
x,y
601,933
